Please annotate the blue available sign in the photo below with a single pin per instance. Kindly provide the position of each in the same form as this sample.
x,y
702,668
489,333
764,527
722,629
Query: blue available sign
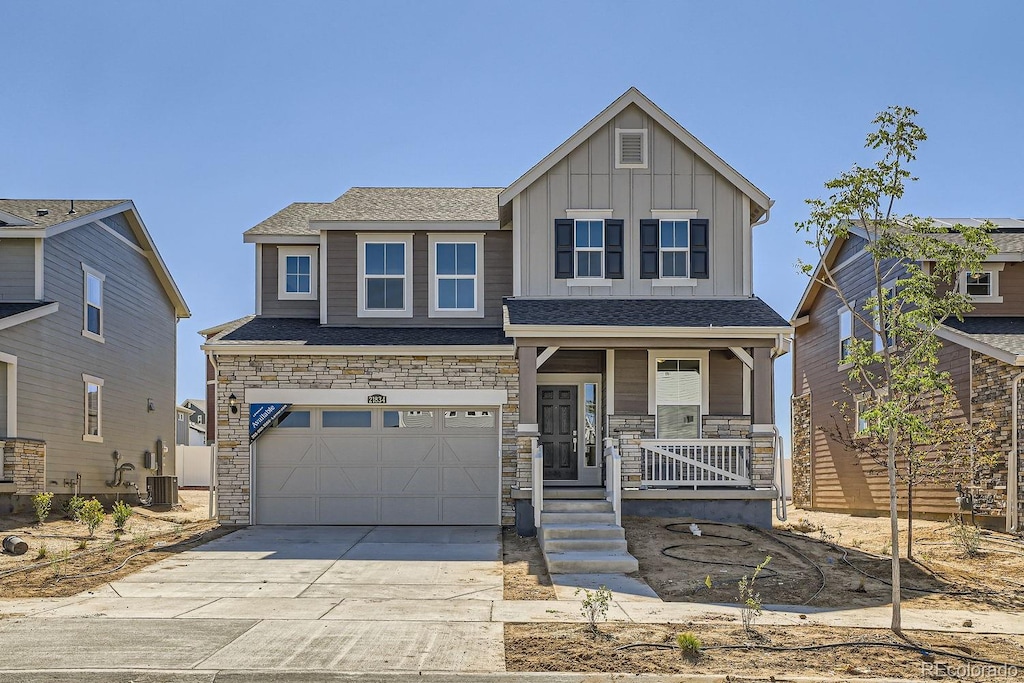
x,y
262,415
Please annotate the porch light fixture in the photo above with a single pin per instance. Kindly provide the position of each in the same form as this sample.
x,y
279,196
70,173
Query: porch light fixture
x,y
233,403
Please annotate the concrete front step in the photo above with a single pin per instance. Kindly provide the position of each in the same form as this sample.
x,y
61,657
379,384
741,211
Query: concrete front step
x,y
574,492
564,545
577,506
577,518
591,562
562,531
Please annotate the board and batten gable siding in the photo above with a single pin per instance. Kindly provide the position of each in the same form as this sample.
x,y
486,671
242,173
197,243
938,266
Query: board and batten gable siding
x,y
272,306
17,269
674,179
136,362
842,480
343,273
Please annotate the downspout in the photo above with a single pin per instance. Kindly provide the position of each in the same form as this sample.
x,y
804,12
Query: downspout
x,y
767,215
216,439
1013,461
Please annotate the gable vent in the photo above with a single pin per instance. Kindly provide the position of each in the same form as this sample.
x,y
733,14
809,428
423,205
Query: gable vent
x,y
632,148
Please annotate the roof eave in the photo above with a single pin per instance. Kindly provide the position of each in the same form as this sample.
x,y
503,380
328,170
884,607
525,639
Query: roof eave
x,y
26,316
967,341
651,331
301,348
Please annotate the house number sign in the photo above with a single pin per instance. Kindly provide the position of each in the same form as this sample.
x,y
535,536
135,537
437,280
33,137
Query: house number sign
x,y
376,399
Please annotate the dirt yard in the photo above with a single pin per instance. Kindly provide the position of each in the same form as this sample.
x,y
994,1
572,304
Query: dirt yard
x,y
61,551
572,647
825,560
526,576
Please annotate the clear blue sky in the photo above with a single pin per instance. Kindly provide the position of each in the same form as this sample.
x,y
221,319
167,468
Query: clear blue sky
x,y
214,115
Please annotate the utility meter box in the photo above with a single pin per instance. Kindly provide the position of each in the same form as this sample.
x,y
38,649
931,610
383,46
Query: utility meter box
x,y
152,462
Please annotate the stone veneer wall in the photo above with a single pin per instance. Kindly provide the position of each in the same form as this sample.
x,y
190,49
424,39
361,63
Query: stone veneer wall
x,y
726,427
991,399
237,373
801,450
24,463
629,429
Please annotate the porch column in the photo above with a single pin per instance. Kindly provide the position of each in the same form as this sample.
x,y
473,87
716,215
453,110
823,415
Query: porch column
x,y
528,391
763,417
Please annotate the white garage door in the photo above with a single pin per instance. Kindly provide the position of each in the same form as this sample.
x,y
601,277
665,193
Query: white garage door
x,y
379,466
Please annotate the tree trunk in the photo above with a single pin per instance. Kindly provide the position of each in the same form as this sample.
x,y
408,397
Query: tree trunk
x,y
894,528
910,521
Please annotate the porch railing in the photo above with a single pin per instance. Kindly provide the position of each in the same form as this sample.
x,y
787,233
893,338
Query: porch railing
x,y
538,482
695,462
613,478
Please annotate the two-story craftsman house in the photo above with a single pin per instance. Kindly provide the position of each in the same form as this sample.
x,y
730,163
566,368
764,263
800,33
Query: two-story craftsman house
x,y
443,355
88,323
983,353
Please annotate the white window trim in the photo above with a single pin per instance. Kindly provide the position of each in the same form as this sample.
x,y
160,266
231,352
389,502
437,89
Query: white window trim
x,y
993,269
678,354
86,381
12,392
86,272
377,238
857,420
588,280
282,259
433,239
643,147
842,310
675,250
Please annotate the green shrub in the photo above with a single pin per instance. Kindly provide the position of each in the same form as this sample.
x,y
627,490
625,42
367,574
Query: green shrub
x,y
689,645
73,508
42,503
750,600
594,605
121,512
91,515
967,537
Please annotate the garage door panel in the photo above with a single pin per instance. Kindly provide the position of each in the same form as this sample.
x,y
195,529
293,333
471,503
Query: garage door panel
x,y
425,470
348,510
469,479
348,479
349,450
457,510
409,480
402,509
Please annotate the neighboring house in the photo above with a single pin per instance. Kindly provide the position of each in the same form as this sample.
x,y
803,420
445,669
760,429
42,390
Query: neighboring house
x,y
191,425
414,349
984,355
88,318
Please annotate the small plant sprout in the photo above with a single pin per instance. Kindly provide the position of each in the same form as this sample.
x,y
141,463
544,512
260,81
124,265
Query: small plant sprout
x,y
60,564
750,599
121,512
689,645
595,605
41,504
91,515
83,544
42,552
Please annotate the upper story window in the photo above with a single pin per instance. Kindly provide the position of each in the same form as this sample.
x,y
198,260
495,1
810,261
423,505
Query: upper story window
x,y
92,312
674,247
456,281
589,248
297,273
845,334
93,409
385,276
983,285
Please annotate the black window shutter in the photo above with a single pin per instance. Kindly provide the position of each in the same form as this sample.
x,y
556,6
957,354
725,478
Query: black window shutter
x,y
649,249
614,267
699,256
563,248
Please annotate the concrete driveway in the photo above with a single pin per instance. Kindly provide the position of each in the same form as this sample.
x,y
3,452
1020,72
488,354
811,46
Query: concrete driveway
x,y
311,598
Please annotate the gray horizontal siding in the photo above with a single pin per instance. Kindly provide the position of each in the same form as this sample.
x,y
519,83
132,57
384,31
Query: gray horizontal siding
x,y
17,270
343,271
119,224
274,307
675,179
137,362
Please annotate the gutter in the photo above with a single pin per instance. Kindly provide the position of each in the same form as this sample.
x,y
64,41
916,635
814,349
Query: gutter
x,y
1013,461
766,217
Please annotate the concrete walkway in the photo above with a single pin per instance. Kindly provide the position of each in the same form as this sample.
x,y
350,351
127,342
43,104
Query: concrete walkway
x,y
382,599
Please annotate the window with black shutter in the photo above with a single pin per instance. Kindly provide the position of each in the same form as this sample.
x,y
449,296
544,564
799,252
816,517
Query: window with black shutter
x,y
589,249
674,248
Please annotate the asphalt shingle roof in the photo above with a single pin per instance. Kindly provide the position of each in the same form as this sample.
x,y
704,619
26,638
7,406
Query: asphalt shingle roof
x,y
1005,333
57,210
750,312
309,331
413,204
9,309
291,220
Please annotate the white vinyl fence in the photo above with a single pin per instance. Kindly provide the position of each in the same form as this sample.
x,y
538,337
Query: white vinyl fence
x,y
192,465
